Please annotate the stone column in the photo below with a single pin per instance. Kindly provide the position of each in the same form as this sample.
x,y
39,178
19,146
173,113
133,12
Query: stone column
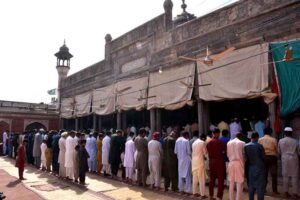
x,y
158,119
200,116
94,122
76,124
119,120
152,120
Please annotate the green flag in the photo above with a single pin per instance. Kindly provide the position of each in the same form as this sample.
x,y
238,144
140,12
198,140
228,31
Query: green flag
x,y
52,91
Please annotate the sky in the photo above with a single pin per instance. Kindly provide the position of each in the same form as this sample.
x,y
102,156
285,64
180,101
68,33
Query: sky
x,y
33,30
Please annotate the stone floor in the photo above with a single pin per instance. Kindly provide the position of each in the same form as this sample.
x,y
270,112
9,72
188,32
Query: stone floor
x,y
48,186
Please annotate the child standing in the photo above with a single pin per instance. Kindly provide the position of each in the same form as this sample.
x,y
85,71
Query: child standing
x,y
83,162
21,159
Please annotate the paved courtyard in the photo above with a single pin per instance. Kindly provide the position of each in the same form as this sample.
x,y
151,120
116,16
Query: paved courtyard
x,y
42,185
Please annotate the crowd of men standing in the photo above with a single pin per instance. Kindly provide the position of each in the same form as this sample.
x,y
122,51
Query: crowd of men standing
x,y
185,163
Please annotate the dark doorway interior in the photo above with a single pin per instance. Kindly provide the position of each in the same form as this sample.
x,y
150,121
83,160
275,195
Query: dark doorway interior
x,y
242,108
181,117
109,121
138,118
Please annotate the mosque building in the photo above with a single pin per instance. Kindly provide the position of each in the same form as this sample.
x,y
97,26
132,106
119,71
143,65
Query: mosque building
x,y
190,70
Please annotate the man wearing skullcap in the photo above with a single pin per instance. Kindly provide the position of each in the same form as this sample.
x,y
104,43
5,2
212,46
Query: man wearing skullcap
x,y
288,149
61,155
154,160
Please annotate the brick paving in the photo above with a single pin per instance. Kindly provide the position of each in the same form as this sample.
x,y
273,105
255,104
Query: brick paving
x,y
14,189
48,186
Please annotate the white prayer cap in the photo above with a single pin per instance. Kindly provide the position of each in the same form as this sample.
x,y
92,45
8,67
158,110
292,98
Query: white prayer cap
x,y
64,134
288,129
42,130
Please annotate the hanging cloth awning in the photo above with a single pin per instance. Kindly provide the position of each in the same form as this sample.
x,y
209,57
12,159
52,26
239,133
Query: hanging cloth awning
x,y
67,108
104,100
132,93
288,74
243,73
172,89
83,104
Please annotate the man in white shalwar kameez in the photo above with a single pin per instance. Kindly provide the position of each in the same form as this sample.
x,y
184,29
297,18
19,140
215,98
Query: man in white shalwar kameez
x,y
69,156
105,154
43,156
198,167
91,148
183,152
4,138
129,161
62,154
288,149
154,160
236,166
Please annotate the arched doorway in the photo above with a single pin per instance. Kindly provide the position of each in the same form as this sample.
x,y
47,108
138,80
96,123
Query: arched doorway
x,y
34,125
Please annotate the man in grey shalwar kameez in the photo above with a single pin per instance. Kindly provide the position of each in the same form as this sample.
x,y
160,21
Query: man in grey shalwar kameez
x,y
288,149
36,151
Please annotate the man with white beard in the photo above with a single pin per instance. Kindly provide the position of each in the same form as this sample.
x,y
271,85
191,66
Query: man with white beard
x,y
69,156
62,154
105,154
129,161
154,160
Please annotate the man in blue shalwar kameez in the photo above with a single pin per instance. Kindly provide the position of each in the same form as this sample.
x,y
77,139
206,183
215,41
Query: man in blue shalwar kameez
x,y
255,165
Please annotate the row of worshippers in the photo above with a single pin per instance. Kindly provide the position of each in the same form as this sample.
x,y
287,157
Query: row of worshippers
x,y
180,159
10,143
187,157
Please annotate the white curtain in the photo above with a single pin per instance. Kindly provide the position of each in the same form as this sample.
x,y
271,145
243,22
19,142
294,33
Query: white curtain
x,y
132,93
83,104
67,108
242,73
104,100
172,89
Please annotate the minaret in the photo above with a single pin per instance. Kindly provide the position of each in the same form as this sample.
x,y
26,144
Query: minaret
x,y
168,7
63,67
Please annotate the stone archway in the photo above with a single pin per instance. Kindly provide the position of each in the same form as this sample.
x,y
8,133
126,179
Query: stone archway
x,y
35,125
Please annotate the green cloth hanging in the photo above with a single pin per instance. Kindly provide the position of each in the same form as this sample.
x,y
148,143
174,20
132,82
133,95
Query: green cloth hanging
x,y
288,76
